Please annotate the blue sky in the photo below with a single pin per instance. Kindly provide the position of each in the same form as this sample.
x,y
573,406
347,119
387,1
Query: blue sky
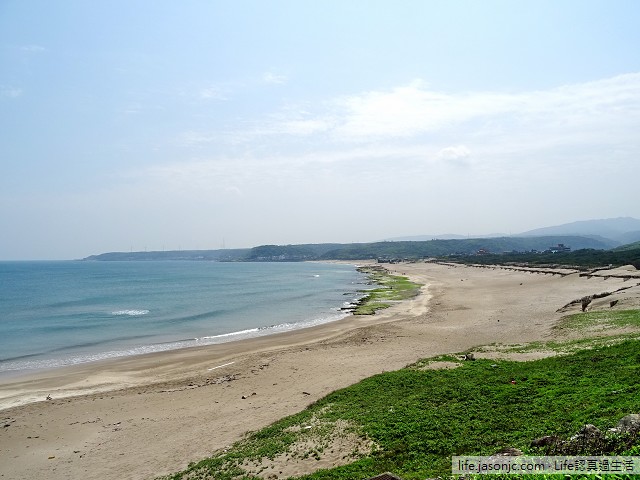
x,y
164,125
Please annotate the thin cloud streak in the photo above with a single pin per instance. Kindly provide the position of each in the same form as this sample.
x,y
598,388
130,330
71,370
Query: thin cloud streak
x,y
274,78
578,115
33,49
213,93
412,111
10,92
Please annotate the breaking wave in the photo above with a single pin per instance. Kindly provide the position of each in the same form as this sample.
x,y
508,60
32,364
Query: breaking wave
x,y
131,313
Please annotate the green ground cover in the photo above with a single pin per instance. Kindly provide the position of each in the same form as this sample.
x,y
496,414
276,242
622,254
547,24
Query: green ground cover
x,y
602,319
416,419
390,288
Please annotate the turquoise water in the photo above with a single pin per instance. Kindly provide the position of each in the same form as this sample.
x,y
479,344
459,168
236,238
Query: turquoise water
x,y
64,313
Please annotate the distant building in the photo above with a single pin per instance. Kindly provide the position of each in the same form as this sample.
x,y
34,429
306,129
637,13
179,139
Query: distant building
x,y
561,247
391,260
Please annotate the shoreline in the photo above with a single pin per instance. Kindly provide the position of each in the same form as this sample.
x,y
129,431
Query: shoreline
x,y
171,346
125,371
159,412
20,388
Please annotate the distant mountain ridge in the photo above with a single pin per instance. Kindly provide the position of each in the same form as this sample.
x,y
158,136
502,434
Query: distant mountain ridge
x,y
426,238
621,230
210,255
363,251
594,234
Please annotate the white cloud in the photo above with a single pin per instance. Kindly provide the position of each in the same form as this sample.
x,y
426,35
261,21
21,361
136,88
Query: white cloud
x,y
408,142
132,109
10,92
302,126
213,93
413,122
458,152
413,127
233,190
291,120
33,48
413,109
192,138
274,78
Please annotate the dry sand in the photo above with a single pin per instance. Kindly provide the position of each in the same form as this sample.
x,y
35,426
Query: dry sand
x,y
150,415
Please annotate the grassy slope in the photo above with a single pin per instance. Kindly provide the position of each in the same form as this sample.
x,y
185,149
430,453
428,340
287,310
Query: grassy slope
x,y
420,418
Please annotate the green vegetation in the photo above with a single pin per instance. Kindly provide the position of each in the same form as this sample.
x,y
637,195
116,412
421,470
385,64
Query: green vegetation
x,y
629,246
562,347
583,259
222,255
469,246
287,253
391,288
599,321
414,419
602,319
588,252
434,248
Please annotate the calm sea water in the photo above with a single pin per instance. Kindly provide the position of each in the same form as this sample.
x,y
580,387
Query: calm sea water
x,y
63,313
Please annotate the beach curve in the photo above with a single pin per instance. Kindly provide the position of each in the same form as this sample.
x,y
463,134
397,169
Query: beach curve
x,y
153,414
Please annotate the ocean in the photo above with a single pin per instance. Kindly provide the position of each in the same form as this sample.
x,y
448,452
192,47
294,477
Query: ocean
x,y
54,314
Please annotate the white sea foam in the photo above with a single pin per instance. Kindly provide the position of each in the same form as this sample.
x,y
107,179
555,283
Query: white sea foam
x,y
113,338
230,334
21,365
131,313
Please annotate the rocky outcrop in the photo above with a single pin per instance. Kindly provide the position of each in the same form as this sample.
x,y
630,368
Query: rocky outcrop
x,y
590,440
508,452
629,423
545,441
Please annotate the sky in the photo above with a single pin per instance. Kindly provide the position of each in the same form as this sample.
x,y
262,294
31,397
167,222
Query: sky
x,y
162,125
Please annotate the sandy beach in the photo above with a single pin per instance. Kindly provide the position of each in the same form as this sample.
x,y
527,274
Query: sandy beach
x,y
144,416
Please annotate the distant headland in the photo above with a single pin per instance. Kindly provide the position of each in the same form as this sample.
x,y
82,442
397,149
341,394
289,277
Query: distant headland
x,y
568,242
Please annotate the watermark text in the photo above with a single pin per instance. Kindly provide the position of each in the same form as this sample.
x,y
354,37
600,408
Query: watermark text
x,y
464,465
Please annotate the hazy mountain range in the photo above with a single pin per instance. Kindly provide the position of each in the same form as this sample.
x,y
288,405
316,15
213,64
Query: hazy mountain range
x,y
622,230
618,231
592,234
